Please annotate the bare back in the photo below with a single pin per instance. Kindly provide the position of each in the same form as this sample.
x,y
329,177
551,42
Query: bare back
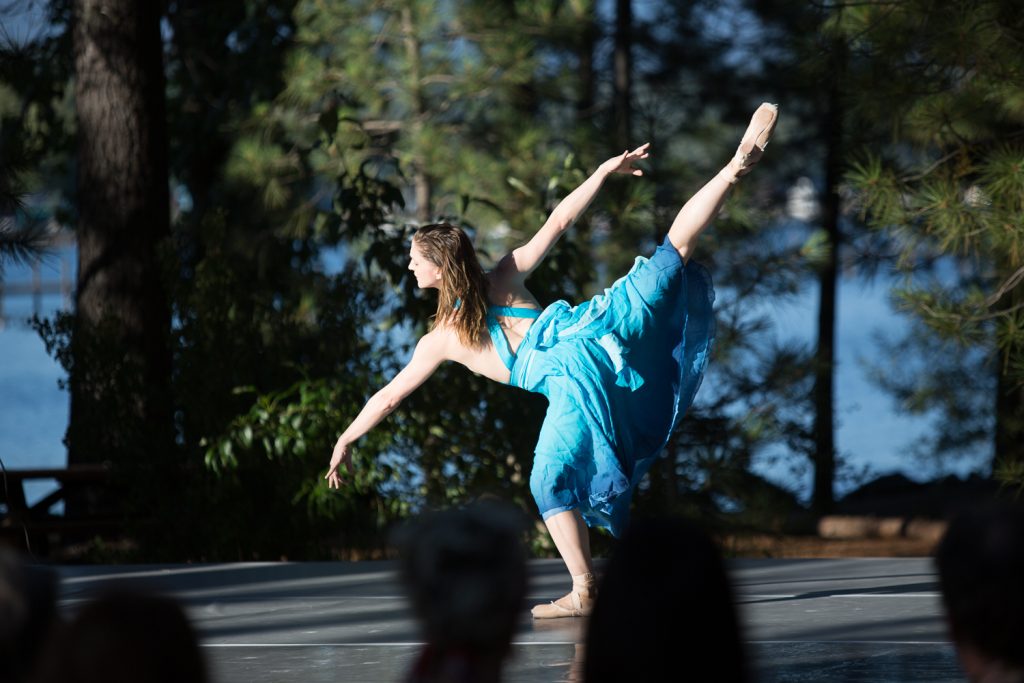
x,y
505,290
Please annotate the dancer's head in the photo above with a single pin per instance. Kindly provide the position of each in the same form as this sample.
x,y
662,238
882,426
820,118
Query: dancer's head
x,y
980,562
442,257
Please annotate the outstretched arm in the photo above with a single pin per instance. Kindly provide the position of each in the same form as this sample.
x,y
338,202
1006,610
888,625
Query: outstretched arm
x,y
425,359
523,260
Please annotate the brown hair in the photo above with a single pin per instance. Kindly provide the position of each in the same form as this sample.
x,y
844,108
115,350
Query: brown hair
x,y
462,296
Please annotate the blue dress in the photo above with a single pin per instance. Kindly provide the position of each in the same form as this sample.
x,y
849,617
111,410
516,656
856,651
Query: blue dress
x,y
618,371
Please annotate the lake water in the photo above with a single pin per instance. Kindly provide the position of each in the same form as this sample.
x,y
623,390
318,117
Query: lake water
x,y
33,408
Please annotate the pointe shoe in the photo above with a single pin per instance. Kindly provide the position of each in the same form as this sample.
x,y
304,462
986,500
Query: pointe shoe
x,y
755,139
578,606
577,603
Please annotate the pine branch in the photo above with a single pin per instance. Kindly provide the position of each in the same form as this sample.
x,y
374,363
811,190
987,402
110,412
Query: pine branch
x,y
21,245
949,316
931,167
1007,285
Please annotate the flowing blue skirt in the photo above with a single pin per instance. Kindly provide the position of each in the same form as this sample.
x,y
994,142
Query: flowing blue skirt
x,y
618,371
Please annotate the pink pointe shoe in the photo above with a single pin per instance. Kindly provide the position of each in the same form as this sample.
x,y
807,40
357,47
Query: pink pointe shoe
x,y
755,139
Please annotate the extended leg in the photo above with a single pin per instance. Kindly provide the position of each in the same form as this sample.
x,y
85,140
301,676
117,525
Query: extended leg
x,y
698,213
571,537
702,207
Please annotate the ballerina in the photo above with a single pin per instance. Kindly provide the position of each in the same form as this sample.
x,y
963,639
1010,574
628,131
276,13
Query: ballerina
x,y
618,370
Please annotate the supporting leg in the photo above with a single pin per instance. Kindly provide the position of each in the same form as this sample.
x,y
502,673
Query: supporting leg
x,y
571,537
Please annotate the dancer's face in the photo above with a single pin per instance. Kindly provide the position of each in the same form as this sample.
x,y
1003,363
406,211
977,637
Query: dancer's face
x,y
427,274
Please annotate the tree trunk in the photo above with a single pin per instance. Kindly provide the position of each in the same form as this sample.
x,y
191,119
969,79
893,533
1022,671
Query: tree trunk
x,y
623,78
204,90
824,367
120,377
422,181
588,39
1009,436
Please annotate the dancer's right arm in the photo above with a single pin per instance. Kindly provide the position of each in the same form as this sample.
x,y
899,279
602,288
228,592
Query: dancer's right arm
x,y
429,353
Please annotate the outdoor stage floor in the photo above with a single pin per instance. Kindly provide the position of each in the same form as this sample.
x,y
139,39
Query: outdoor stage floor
x,y
806,620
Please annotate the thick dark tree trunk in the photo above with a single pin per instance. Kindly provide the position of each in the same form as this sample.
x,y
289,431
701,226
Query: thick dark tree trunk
x,y
120,375
623,73
824,367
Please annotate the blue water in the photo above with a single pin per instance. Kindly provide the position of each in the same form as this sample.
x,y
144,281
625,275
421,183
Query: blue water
x,y
33,409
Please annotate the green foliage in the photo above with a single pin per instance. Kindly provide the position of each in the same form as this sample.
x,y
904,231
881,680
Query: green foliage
x,y
255,310
347,119
415,83
301,422
24,128
950,189
307,139
1011,475
20,243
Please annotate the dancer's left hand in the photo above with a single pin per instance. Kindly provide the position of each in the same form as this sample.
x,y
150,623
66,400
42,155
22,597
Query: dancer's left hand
x,y
624,162
342,454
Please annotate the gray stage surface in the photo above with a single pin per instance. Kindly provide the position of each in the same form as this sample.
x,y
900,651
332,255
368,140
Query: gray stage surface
x,y
806,620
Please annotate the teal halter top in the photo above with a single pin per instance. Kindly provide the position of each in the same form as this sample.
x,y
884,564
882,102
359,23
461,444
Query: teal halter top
x,y
498,337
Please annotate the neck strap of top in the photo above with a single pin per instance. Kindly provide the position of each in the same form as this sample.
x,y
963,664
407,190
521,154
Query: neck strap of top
x,y
513,311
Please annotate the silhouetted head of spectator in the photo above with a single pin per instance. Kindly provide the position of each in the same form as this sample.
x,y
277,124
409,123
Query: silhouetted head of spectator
x,y
664,610
126,637
980,562
28,607
465,573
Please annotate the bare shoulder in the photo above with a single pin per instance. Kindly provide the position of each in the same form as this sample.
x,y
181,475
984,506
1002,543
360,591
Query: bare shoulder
x,y
436,344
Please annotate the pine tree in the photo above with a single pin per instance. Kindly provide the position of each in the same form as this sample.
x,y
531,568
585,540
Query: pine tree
x,y
948,82
24,124
122,317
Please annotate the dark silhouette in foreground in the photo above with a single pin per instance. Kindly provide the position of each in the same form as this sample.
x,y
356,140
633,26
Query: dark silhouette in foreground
x,y
28,610
981,571
665,610
465,573
126,637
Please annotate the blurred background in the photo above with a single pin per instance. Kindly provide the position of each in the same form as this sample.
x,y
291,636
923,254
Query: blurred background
x,y
205,210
